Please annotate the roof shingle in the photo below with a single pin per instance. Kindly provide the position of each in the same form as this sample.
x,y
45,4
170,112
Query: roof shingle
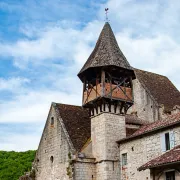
x,y
171,156
160,87
77,123
106,52
146,129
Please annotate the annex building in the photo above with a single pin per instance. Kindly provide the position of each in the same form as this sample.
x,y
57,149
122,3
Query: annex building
x,y
128,127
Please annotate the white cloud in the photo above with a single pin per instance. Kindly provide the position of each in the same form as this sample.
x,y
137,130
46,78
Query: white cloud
x,y
146,33
53,43
34,106
12,84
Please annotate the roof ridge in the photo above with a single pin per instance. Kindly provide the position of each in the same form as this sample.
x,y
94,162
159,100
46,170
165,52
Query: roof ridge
x,y
150,72
172,119
66,104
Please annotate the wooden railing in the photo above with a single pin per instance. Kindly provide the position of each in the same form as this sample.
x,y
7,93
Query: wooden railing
x,y
110,91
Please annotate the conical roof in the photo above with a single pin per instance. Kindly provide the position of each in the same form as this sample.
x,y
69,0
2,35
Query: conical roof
x,y
106,52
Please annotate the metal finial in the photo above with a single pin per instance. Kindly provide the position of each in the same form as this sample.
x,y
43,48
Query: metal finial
x,y
106,9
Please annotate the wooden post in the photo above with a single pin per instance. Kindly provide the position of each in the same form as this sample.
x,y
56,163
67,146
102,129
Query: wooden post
x,y
84,87
111,85
96,85
132,91
103,82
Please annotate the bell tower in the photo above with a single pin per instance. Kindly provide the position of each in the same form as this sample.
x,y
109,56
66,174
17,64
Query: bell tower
x,y
107,77
107,93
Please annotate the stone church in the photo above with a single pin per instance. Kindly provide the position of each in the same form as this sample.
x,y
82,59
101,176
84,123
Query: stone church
x,y
128,127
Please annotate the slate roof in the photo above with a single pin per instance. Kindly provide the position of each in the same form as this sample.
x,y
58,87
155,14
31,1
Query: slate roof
x,y
77,122
152,127
172,156
106,52
160,87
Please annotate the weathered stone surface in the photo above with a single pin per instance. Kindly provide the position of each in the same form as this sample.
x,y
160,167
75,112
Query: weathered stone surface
x,y
53,144
142,150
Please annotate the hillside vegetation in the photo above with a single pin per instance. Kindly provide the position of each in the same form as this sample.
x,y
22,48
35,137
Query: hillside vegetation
x,y
14,164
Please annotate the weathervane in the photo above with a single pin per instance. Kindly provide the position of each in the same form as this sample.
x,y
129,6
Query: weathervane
x,y
106,9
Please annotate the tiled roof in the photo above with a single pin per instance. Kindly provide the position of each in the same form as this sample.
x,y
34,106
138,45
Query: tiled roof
x,y
149,128
77,123
130,131
169,157
160,87
106,52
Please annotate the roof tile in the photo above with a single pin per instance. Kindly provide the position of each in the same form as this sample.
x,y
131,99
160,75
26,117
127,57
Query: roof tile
x,y
168,157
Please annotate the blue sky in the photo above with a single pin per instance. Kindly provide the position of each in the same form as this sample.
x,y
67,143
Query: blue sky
x,y
43,45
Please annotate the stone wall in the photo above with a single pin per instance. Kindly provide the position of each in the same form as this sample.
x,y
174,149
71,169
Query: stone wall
x,y
85,169
140,151
144,104
106,129
52,155
108,170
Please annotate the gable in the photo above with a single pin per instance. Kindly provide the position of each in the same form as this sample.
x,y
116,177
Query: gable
x,y
77,123
160,87
53,149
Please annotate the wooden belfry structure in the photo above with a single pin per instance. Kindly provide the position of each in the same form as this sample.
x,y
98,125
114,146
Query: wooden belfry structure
x,y
107,77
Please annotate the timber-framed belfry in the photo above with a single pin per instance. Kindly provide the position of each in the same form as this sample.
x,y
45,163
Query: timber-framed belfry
x,y
107,77
128,127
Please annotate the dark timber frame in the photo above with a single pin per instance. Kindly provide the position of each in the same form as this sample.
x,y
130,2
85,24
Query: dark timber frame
x,y
107,89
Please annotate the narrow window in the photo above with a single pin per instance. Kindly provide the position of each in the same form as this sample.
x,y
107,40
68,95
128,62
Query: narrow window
x,y
170,175
124,159
51,159
52,121
167,141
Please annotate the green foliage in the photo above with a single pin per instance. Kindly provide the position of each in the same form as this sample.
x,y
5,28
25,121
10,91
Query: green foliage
x,y
14,164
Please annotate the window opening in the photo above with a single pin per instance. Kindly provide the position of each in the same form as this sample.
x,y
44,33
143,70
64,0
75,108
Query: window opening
x,y
124,159
52,121
167,141
52,159
170,175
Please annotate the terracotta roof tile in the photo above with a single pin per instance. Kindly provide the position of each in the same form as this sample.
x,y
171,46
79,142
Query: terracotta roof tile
x,y
130,131
145,129
77,123
171,156
160,87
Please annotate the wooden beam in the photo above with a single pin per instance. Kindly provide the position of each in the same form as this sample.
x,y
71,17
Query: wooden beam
x,y
84,87
118,85
103,82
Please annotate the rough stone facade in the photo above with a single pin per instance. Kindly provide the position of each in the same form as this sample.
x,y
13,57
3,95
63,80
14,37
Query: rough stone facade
x,y
144,104
85,169
52,154
142,150
104,146
79,144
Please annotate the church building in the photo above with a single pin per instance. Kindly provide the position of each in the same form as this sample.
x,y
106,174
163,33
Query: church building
x,y
128,127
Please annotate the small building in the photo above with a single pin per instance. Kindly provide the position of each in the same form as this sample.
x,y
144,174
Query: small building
x,y
127,128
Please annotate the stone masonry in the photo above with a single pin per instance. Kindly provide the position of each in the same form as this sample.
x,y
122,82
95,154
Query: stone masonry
x,y
142,150
52,154
106,129
144,104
